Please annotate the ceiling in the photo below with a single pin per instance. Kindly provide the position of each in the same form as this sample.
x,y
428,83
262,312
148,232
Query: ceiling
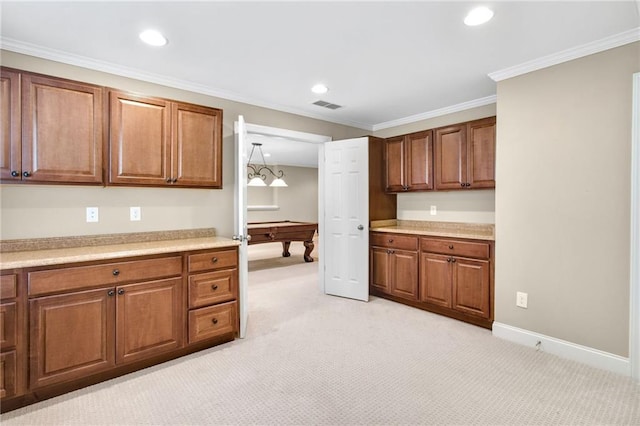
x,y
385,63
284,152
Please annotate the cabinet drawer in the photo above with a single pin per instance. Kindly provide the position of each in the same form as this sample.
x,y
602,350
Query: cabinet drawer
x,y
8,373
8,325
205,323
213,287
8,286
213,260
399,241
455,248
59,280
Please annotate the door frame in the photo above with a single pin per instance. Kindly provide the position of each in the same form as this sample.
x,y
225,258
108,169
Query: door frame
x,y
296,136
634,308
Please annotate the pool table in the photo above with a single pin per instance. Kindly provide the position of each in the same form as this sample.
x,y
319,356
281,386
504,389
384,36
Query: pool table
x,y
284,232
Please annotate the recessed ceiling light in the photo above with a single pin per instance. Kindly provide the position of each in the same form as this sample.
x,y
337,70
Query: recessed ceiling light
x,y
153,37
478,16
319,89
267,155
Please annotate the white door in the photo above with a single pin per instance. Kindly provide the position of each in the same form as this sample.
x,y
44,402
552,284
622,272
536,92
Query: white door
x,y
345,215
240,221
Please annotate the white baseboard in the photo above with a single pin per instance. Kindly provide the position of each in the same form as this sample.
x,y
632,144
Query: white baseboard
x,y
564,349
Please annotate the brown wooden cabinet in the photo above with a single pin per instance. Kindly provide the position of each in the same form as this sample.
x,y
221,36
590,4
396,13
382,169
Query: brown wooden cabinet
x,y
465,155
12,353
163,143
133,316
448,276
213,293
61,136
394,265
456,274
409,160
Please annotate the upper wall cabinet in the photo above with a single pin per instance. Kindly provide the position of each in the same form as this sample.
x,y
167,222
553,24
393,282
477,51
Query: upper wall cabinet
x,y
163,143
465,155
409,160
60,138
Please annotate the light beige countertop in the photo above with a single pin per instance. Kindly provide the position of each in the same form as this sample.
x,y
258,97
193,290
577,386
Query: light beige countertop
x,y
474,231
84,249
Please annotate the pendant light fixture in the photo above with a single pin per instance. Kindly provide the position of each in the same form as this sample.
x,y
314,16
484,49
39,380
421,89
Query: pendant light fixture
x,y
256,172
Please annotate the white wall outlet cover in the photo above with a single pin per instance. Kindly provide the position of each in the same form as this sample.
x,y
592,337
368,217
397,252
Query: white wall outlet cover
x,y
92,214
521,299
135,214
434,210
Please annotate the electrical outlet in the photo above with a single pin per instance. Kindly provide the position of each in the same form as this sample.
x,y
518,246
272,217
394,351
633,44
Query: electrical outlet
x,y
434,210
92,214
135,214
521,299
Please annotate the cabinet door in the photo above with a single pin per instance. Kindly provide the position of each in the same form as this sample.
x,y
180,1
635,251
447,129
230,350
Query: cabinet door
x,y
10,140
419,147
139,140
71,336
404,274
197,146
8,374
451,157
149,319
62,131
394,154
471,286
435,279
482,153
379,269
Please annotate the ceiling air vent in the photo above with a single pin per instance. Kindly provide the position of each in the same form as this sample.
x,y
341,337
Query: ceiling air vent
x,y
327,105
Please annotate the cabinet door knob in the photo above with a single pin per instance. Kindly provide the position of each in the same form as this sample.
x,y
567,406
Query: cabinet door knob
x,y
391,240
214,287
121,291
168,180
15,173
451,247
26,174
214,259
116,272
360,227
215,320
174,180
449,259
467,184
111,293
453,260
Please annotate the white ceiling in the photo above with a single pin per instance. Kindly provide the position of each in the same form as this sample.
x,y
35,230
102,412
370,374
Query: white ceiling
x,y
386,63
284,152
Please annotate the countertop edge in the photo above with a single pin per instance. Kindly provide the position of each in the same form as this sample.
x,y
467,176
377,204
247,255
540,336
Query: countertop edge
x,y
431,233
39,258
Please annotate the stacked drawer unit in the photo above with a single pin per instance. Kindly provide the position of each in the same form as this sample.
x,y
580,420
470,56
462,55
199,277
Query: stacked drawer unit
x,y
213,294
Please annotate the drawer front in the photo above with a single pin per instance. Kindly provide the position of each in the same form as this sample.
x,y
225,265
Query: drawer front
x,y
455,248
213,287
58,280
399,241
213,260
8,286
206,323
8,325
8,373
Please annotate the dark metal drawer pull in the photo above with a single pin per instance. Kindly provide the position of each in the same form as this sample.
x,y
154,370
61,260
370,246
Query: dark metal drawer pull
x,y
215,320
116,272
214,287
214,259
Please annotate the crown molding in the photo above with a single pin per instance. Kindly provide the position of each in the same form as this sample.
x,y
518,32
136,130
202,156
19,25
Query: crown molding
x,y
488,100
597,46
103,66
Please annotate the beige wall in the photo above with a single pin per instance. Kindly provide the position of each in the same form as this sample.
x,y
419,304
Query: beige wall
x,y
298,201
451,206
563,199
47,211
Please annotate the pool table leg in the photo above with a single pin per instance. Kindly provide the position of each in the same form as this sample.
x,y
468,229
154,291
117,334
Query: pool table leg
x,y
307,251
285,248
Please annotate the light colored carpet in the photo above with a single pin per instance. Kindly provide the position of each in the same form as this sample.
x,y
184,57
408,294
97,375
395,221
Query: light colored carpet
x,y
316,359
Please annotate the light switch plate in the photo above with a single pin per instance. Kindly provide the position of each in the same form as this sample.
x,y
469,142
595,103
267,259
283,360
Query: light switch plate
x,y
135,214
434,210
521,299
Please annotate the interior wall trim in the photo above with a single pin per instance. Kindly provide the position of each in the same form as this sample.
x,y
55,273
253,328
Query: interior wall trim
x,y
601,45
562,348
634,308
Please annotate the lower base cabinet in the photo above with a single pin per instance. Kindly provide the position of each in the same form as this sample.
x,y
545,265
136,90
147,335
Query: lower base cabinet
x,y
447,276
91,322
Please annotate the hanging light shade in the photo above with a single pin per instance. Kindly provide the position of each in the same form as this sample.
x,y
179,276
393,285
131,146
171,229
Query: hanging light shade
x,y
256,172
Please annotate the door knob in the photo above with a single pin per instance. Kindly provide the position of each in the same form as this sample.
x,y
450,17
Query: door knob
x,y
360,227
